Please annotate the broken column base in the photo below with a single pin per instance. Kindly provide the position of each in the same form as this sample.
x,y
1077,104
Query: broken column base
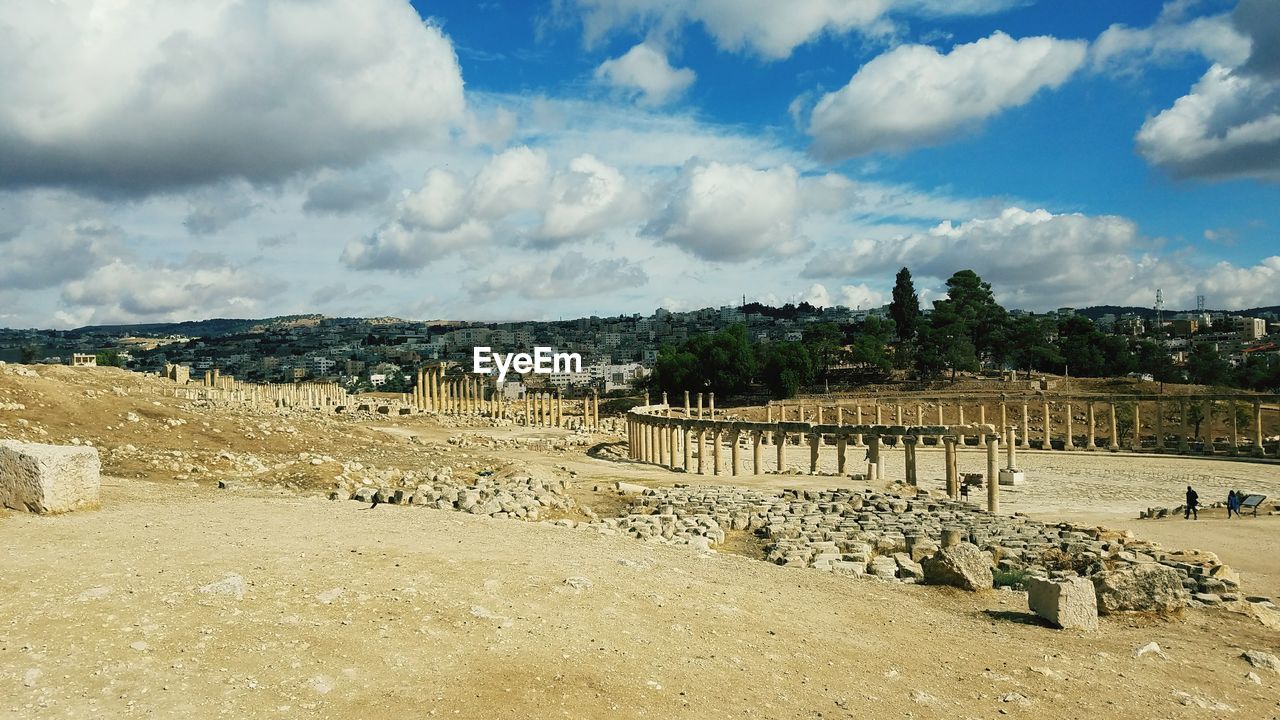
x,y
1012,477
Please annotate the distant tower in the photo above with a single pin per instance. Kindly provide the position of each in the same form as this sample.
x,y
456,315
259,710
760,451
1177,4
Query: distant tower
x,y
1199,304
1159,308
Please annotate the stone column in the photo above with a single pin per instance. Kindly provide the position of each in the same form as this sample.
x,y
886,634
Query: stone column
x,y
993,474
768,413
1235,430
842,443
839,416
673,436
757,438
879,417
1137,426
982,420
897,415
528,411
1004,414
1258,449
1011,449
919,414
909,443
949,460
1069,443
815,439
960,440
715,451
1048,424
702,448
686,403
559,409
857,439
699,406
1026,427
735,458
1115,429
780,448
1093,421
711,406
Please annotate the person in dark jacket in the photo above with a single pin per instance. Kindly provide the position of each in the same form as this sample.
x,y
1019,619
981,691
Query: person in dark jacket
x,y
1233,504
1193,500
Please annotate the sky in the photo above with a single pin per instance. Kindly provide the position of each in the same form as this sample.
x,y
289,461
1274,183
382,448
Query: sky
x,y
165,160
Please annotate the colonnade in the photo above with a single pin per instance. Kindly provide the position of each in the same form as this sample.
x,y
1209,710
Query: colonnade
x,y
1136,423
655,434
304,395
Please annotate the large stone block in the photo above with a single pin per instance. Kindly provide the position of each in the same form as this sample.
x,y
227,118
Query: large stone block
x,y
1148,587
48,478
1069,603
963,566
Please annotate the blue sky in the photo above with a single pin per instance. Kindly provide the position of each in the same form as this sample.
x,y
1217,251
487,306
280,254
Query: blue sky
x,y
525,160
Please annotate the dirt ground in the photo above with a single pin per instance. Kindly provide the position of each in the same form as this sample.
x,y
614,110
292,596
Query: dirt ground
x,y
176,598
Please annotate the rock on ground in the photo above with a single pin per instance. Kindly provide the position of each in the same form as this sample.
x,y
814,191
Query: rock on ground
x,y
1141,588
48,478
963,566
1069,603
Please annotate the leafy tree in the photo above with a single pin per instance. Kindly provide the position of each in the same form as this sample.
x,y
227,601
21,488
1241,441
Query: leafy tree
x,y
1206,367
971,305
785,367
825,344
1124,423
110,358
719,362
905,308
1152,358
28,354
947,343
1030,346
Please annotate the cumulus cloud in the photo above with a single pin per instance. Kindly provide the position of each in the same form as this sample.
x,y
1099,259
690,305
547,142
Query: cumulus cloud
x,y
572,275
42,256
732,212
201,286
851,296
1126,50
644,73
214,208
1036,260
136,96
913,95
768,28
516,194
1228,125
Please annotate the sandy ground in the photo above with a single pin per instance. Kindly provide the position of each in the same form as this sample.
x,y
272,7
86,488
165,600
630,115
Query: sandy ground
x,y
406,612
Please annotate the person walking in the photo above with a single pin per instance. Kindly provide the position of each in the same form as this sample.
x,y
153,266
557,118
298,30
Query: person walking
x,y
1192,501
1233,504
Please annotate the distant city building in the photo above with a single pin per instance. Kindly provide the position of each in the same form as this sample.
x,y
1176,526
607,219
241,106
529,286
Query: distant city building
x,y
84,360
1250,328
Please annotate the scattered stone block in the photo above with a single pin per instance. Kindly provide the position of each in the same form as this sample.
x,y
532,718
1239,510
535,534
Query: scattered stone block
x,y
963,566
1263,660
49,478
1070,603
1140,588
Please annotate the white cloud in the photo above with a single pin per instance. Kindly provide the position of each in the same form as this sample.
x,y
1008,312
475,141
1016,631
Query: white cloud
x,y
851,296
732,212
1038,260
199,287
645,74
913,95
769,28
571,275
1126,50
590,197
214,208
43,255
135,96
1228,126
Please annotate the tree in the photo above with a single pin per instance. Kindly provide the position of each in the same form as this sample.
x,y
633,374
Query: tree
x,y
719,362
1030,347
905,308
110,358
1206,367
28,354
973,308
946,343
785,367
824,343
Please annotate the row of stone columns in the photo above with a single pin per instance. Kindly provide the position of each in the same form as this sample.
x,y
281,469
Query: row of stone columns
x,y
305,395
817,413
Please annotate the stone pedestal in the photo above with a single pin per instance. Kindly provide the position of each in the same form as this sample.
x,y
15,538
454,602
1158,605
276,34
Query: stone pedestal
x,y
1012,477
